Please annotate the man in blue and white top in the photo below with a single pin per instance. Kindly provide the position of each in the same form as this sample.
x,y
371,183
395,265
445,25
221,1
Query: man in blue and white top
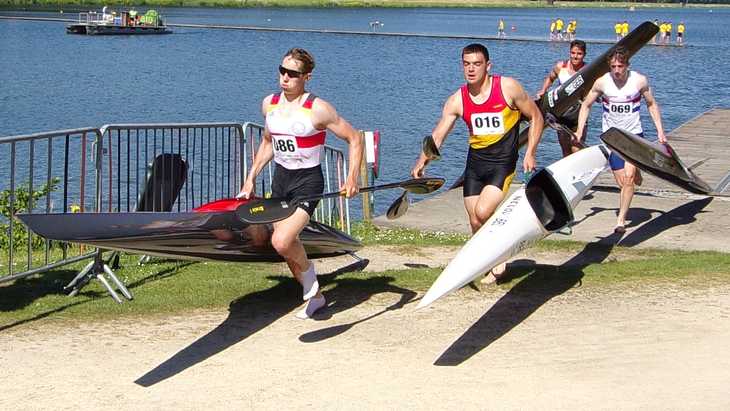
x,y
621,91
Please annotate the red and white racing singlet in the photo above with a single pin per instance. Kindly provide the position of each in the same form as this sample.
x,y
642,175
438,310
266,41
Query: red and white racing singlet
x,y
297,143
564,74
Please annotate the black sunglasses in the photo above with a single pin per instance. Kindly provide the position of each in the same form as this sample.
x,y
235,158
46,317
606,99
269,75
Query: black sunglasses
x,y
291,73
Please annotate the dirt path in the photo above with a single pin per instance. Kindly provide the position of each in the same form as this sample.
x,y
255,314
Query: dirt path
x,y
548,342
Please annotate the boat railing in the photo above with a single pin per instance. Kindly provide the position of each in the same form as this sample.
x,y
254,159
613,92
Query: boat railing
x,y
93,17
105,169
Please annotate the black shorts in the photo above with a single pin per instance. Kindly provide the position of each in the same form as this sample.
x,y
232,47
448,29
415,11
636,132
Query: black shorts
x,y
299,183
491,166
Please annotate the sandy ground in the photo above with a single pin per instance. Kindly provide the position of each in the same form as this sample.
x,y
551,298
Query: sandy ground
x,y
550,341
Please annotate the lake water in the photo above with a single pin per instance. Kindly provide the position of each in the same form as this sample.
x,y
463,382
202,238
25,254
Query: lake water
x,y
51,80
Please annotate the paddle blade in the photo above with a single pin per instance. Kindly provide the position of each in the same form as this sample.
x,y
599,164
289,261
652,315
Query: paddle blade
x,y
399,207
423,185
430,150
265,210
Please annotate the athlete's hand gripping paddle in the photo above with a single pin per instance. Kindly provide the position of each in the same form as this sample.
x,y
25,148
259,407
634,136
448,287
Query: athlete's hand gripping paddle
x,y
269,210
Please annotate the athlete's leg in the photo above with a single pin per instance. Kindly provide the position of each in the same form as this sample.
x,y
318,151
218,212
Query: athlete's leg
x,y
481,207
626,178
285,240
470,205
490,198
566,144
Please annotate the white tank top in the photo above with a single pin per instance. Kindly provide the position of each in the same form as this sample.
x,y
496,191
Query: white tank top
x,y
297,143
622,107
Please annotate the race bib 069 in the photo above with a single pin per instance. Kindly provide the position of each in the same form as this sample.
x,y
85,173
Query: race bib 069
x,y
620,108
487,123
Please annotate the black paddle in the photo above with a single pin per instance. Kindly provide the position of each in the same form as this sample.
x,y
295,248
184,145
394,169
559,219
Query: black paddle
x,y
269,210
400,205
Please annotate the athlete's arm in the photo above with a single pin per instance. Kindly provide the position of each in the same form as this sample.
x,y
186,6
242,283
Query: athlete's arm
x,y
324,115
653,107
585,108
449,114
517,97
264,154
549,80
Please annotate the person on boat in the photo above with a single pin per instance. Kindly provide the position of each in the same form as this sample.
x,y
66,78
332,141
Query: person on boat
x,y
552,30
618,27
562,71
625,28
621,91
680,33
559,23
572,29
500,29
668,34
491,107
296,123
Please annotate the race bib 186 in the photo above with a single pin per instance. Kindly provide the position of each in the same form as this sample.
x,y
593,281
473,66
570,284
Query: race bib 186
x,y
286,145
487,123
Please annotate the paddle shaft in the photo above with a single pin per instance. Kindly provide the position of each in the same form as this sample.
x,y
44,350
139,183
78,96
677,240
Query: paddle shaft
x,y
366,189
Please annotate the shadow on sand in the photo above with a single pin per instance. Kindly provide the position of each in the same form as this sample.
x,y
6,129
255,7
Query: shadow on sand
x,y
682,215
253,312
540,283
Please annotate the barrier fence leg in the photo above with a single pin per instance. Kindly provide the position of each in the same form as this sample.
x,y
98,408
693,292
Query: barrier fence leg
x,y
96,269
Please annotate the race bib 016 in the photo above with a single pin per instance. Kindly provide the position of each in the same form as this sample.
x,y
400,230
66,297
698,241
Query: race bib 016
x,y
487,123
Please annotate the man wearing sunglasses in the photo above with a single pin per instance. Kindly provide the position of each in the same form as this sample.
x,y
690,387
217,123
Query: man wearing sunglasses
x,y
294,136
491,106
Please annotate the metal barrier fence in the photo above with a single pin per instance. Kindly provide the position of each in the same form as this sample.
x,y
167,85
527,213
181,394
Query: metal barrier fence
x,y
106,169
212,151
45,172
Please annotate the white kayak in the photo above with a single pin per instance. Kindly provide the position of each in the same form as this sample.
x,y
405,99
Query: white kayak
x,y
542,206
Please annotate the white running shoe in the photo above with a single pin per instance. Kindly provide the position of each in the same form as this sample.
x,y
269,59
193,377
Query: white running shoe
x,y
310,285
313,305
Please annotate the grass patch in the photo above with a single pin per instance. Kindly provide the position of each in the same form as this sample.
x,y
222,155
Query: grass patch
x,y
167,287
370,234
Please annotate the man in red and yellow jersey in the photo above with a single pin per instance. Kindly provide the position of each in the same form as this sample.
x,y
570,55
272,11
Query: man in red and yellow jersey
x,y
491,107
